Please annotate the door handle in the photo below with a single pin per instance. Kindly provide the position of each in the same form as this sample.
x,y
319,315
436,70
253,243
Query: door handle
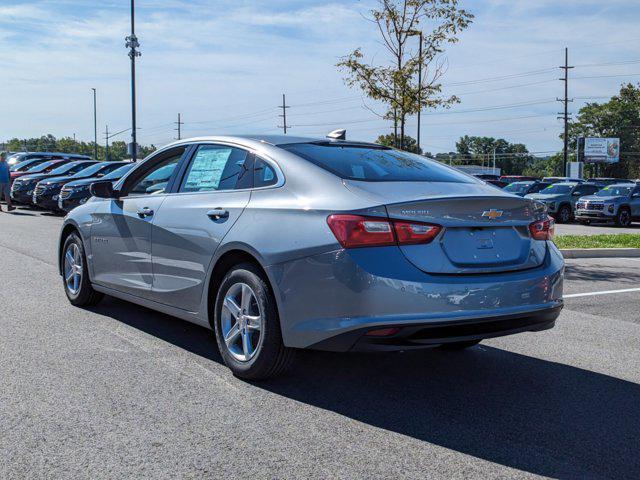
x,y
218,213
145,212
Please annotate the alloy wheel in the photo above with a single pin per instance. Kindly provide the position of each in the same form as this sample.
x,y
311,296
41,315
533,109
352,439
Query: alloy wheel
x,y
242,322
625,218
565,215
73,269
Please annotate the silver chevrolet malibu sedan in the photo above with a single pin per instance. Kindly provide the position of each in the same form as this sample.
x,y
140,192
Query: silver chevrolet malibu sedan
x,y
279,243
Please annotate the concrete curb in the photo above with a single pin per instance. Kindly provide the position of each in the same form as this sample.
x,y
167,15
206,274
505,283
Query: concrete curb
x,y
601,253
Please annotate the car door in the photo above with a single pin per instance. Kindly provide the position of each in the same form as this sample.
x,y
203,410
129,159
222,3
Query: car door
x,y
121,229
212,193
582,191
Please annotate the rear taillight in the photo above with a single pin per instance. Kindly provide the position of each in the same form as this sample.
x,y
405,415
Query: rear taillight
x,y
354,231
543,229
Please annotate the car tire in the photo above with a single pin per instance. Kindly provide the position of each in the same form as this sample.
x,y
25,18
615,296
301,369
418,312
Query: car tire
x,y
246,316
564,214
623,218
456,346
75,276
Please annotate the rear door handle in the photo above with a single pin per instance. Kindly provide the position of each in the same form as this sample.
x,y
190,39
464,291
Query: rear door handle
x,y
218,213
145,212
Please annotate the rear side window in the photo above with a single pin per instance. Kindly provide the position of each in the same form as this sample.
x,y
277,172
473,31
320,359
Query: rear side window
x,y
216,167
263,174
375,164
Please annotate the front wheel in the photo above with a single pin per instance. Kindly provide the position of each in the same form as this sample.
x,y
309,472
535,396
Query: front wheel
x,y
564,214
76,281
247,326
623,218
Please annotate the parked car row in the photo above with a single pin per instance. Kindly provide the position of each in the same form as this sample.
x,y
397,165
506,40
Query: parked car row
x,y
60,184
608,200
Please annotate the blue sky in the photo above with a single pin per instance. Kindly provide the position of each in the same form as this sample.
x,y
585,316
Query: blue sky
x,y
225,64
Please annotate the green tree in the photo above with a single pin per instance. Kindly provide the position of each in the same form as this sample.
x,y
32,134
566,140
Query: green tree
x,y
618,118
511,158
394,83
49,143
409,144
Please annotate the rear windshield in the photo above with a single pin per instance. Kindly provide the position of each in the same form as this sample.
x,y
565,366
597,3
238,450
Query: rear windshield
x,y
375,164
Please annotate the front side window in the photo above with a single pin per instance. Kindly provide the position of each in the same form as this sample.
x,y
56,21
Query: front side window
x,y
156,180
370,163
216,167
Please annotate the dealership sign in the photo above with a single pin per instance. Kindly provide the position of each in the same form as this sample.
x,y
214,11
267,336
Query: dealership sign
x,y
601,150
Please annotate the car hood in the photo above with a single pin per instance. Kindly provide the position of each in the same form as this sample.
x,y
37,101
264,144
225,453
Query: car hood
x,y
85,182
595,198
34,177
57,180
549,196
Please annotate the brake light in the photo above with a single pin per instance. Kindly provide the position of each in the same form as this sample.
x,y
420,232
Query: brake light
x,y
358,231
543,229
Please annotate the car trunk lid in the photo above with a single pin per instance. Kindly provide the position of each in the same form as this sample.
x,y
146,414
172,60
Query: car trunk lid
x,y
484,230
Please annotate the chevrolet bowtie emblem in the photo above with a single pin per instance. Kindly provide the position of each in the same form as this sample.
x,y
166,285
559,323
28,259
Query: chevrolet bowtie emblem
x,y
492,214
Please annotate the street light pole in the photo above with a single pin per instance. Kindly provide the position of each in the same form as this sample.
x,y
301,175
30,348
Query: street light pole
x,y
414,33
95,126
132,44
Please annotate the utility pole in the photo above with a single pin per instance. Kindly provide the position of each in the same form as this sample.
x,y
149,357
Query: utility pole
x,y
565,114
106,144
284,107
494,161
132,44
179,123
95,126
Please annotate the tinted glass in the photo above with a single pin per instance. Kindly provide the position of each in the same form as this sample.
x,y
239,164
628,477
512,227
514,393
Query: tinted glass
x,y
68,168
517,187
614,191
43,166
89,171
215,167
119,172
375,164
557,189
263,174
155,181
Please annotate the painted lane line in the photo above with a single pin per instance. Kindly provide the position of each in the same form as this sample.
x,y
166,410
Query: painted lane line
x,y
607,292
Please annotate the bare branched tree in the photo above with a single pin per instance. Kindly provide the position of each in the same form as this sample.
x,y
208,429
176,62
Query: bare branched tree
x,y
395,84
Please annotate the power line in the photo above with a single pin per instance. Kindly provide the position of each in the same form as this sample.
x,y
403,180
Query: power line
x,y
565,101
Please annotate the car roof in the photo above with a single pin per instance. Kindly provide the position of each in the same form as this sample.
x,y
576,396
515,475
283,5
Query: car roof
x,y
274,140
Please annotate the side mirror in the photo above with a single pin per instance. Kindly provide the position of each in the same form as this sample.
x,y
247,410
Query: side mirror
x,y
103,190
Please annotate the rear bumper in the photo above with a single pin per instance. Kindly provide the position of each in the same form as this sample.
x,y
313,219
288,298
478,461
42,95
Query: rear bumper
x,y
437,333
343,294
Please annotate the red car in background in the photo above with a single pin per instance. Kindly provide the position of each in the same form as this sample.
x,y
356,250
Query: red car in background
x,y
35,166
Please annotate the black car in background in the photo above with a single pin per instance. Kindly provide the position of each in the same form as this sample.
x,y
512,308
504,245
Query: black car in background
x,y
77,192
524,188
22,188
47,191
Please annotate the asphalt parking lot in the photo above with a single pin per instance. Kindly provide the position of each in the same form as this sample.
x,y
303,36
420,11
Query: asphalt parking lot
x,y
120,390
594,229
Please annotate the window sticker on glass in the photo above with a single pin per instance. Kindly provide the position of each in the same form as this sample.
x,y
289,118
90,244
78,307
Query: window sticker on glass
x,y
206,170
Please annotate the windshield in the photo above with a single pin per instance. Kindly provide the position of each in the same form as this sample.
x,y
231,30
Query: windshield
x,y
614,192
43,166
64,169
89,171
118,173
517,187
22,166
557,189
374,164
